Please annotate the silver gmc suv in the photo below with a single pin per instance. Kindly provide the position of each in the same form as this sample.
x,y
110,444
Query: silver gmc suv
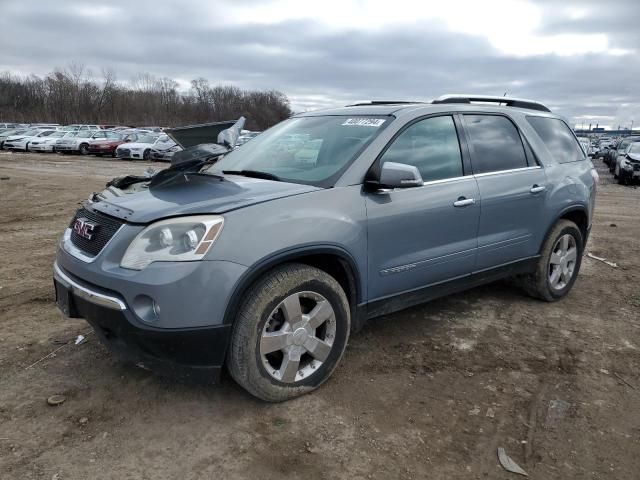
x,y
262,259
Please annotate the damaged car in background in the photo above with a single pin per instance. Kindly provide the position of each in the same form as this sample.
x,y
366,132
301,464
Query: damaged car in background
x,y
627,168
141,148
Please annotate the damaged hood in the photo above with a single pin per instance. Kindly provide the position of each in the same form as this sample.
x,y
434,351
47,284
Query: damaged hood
x,y
634,156
193,135
194,194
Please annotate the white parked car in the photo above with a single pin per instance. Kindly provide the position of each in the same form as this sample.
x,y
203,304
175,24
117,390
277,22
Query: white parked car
x,y
21,142
75,142
11,133
143,146
48,143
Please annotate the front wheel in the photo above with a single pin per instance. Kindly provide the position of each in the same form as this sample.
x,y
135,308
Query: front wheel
x,y
558,265
622,178
147,154
290,333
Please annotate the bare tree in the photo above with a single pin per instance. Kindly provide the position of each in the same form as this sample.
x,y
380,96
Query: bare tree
x,y
74,95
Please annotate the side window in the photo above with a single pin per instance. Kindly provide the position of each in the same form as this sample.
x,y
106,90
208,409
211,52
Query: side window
x,y
558,139
496,143
432,146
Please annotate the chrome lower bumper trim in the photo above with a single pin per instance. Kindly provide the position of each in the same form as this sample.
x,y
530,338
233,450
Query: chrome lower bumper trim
x,y
86,293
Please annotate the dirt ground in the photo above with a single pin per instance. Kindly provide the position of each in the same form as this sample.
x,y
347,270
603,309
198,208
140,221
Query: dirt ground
x,y
430,392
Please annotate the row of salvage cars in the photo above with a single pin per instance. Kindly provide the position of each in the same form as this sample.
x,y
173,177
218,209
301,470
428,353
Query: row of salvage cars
x,y
123,143
623,159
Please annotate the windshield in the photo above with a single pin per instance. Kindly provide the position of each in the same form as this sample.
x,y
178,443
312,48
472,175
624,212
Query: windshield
x,y
31,133
163,140
146,139
8,133
309,150
634,148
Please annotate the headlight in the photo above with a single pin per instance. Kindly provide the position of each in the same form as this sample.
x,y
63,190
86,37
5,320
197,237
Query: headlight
x,y
182,239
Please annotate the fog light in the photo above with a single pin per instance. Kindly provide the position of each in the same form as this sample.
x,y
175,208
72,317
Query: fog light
x,y
146,308
156,308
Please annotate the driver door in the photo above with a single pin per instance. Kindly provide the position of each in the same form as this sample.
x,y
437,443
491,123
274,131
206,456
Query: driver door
x,y
423,235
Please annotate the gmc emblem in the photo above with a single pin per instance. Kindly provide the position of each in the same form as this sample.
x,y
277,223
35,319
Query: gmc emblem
x,y
84,227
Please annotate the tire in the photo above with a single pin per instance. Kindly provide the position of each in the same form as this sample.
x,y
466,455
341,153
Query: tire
x,y
622,178
84,149
616,172
260,367
147,155
539,284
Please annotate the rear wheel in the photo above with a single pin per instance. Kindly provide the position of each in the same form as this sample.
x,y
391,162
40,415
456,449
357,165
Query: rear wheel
x,y
84,149
290,333
558,265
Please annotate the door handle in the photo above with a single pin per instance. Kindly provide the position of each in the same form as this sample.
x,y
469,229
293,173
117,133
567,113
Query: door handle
x,y
464,202
538,188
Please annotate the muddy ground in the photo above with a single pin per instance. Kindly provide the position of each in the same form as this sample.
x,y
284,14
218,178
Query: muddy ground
x,y
430,392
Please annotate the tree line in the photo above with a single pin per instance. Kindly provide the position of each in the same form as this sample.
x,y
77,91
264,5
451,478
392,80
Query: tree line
x,y
75,95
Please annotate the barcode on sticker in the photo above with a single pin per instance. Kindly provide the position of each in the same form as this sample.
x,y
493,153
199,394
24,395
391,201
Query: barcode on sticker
x,y
364,122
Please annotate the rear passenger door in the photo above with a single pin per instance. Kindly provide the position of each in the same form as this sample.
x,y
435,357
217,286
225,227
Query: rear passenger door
x,y
512,191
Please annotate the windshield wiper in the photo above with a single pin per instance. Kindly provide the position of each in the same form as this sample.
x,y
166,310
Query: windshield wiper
x,y
254,174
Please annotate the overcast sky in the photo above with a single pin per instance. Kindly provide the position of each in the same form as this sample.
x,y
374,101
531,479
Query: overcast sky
x,y
578,56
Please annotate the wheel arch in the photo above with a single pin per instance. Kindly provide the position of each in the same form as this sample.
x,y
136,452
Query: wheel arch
x,y
578,214
332,259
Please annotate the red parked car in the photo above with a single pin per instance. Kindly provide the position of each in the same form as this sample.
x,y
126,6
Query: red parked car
x,y
106,142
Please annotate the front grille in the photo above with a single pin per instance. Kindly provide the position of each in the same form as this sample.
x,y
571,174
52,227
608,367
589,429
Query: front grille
x,y
105,229
124,153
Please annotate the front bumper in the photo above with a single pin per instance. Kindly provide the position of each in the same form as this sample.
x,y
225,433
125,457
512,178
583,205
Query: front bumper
x,y
187,353
66,148
41,148
106,150
631,171
15,146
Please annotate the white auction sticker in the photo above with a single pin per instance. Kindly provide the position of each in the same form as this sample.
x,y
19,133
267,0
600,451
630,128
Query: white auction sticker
x,y
364,122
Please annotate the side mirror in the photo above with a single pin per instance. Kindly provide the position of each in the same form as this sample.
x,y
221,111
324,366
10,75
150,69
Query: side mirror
x,y
400,175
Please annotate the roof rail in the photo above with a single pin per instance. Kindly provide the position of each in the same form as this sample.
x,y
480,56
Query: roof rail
x,y
508,101
381,102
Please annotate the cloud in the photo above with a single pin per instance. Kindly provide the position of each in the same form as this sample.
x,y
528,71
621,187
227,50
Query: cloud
x,y
576,56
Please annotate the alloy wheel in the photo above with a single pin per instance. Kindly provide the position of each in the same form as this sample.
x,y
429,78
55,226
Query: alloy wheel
x,y
562,262
298,337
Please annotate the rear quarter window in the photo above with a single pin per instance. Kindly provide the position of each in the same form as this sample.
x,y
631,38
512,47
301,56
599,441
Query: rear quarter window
x,y
558,138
